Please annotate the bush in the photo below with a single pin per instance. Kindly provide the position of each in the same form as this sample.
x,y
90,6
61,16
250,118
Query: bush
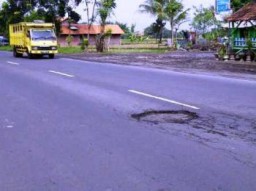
x,y
84,44
69,40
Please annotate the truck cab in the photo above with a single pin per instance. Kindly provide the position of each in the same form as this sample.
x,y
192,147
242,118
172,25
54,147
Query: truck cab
x,y
33,39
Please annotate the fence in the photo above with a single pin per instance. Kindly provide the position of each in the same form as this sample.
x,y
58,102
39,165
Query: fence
x,y
242,42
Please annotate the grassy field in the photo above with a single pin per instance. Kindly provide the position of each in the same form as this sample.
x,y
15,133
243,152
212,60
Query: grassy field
x,y
135,48
147,41
141,48
5,48
63,50
70,50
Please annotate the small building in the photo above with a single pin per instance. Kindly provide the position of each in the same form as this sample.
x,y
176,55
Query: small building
x,y
242,25
80,31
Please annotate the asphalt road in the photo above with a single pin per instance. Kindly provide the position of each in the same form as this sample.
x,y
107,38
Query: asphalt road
x,y
66,125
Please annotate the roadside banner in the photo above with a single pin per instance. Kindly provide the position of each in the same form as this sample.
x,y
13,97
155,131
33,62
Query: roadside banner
x,y
222,6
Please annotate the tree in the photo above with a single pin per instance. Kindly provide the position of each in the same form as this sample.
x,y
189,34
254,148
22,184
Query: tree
x,y
169,10
176,15
90,13
151,31
5,17
204,19
157,8
14,11
54,9
237,4
34,15
104,10
133,26
124,27
158,27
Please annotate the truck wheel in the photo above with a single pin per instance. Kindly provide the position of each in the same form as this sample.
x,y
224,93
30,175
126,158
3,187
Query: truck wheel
x,y
30,56
16,54
51,56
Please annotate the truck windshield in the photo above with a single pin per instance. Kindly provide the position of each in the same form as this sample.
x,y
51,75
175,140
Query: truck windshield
x,y
43,35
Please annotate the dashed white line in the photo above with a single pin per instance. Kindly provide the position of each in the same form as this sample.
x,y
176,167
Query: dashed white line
x,y
62,74
164,99
13,63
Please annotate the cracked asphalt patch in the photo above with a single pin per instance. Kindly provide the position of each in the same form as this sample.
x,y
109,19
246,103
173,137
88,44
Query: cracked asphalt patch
x,y
227,125
218,124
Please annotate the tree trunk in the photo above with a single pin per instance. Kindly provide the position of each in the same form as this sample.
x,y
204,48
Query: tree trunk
x,y
100,41
161,35
88,19
172,32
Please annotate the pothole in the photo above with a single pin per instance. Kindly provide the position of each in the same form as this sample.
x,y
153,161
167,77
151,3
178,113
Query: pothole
x,y
179,116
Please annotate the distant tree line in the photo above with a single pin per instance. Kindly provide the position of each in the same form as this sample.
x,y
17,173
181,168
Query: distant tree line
x,y
15,11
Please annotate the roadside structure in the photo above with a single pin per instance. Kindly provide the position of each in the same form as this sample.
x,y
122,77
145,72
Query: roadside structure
x,y
242,25
80,31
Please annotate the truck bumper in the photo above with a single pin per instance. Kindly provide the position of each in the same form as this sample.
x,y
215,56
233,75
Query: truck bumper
x,y
44,52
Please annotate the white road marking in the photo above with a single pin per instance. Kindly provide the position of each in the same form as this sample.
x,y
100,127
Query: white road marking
x,y
13,63
62,74
72,59
163,99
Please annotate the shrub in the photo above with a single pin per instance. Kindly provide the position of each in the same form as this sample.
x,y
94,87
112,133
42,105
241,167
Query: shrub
x,y
84,44
69,40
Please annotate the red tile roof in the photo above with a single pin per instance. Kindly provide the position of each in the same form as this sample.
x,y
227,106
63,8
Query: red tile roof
x,y
83,29
246,13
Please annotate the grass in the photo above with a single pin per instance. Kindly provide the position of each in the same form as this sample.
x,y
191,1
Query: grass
x,y
114,49
5,48
70,50
63,50
148,41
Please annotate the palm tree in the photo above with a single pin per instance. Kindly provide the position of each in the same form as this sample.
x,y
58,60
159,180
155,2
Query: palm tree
x,y
170,10
158,27
176,14
154,7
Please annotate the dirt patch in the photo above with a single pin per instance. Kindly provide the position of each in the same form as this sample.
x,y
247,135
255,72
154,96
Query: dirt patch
x,y
172,60
180,116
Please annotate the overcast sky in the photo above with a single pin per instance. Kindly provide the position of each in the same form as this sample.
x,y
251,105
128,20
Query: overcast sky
x,y
127,12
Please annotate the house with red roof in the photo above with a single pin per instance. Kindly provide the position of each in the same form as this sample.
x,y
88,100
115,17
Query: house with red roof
x,y
80,31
